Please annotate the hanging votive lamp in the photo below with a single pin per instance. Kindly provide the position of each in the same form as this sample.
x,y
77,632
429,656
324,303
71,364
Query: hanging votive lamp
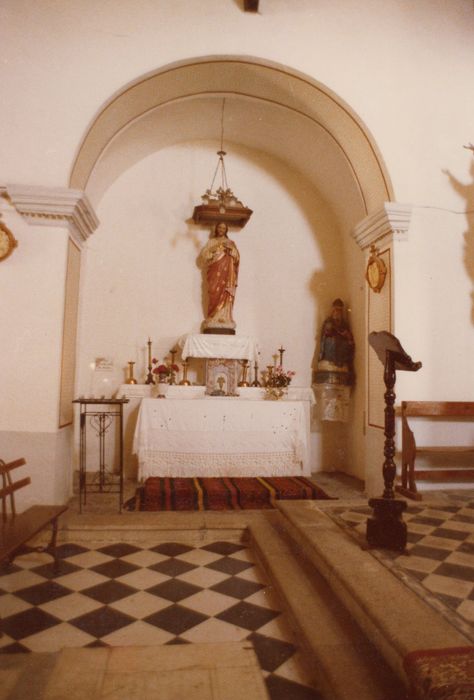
x,y
221,204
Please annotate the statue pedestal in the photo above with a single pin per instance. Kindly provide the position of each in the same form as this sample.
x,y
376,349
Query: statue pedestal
x,y
223,355
333,402
215,345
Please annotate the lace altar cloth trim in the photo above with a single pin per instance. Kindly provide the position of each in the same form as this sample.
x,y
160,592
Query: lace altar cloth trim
x,y
230,443
183,464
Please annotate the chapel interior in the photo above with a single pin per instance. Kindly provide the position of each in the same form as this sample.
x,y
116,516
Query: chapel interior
x,y
344,135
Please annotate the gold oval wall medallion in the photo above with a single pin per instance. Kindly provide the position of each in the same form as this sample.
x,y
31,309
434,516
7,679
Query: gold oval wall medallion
x,y
376,271
7,242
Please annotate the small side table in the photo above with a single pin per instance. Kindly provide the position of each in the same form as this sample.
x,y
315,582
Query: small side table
x,y
100,421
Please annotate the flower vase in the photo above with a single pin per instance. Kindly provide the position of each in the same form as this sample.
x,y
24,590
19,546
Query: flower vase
x,y
161,390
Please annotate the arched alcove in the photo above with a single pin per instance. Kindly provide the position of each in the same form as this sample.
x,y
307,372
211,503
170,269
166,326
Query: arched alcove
x,y
268,107
293,147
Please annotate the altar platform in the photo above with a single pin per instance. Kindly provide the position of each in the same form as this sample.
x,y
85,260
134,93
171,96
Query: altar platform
x,y
191,434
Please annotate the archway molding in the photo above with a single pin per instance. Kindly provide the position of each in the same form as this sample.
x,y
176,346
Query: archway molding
x,y
295,101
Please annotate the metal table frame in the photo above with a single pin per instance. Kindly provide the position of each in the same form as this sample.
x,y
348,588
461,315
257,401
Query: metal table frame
x,y
104,482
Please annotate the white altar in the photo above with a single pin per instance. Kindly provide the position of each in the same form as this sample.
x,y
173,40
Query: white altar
x,y
191,434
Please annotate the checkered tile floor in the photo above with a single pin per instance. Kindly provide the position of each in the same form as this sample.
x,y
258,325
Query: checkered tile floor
x,y
122,594
439,564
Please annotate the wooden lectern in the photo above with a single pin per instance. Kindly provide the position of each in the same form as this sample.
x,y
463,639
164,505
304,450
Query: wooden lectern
x,y
386,528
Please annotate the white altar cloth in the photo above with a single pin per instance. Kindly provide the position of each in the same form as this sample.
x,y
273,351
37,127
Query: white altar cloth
x,y
228,347
215,436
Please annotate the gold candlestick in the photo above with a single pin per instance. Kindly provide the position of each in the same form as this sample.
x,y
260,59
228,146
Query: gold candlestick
x,y
245,366
130,379
149,376
275,358
255,373
281,350
270,369
172,380
185,381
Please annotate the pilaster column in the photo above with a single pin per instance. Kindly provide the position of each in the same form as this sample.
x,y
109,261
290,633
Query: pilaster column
x,y
386,229
42,281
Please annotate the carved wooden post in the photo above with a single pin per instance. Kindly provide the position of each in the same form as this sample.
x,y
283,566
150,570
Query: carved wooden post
x,y
386,527
389,468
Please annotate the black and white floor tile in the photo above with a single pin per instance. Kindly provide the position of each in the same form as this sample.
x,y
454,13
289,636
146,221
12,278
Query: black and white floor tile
x,y
121,594
439,561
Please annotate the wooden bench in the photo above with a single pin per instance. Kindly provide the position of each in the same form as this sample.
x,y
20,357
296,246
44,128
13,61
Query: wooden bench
x,y
410,450
18,529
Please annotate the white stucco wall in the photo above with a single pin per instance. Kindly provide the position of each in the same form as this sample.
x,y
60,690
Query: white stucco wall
x,y
31,318
405,68
439,329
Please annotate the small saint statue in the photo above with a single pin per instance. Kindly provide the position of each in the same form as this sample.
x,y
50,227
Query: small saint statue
x,y
336,352
335,371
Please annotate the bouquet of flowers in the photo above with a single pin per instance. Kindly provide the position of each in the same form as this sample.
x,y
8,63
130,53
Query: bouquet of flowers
x,y
279,378
163,371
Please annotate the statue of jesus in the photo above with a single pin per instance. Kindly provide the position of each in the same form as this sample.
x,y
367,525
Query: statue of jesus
x,y
221,259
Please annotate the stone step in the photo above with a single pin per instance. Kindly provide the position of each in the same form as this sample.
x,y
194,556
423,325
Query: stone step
x,y
345,664
395,620
224,671
189,527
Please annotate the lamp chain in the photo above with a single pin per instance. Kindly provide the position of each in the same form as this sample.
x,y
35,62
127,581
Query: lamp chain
x,y
221,154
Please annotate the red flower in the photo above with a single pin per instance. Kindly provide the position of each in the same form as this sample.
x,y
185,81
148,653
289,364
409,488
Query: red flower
x,y
161,369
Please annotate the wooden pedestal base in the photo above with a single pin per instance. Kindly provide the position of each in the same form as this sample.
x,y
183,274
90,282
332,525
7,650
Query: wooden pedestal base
x,y
219,331
386,527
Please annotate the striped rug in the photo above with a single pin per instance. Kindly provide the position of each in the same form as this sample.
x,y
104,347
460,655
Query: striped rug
x,y
230,493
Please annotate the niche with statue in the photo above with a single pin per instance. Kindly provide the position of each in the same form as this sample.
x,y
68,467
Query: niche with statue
x,y
334,375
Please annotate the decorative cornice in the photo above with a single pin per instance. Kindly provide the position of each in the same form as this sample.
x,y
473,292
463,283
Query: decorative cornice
x,y
392,221
55,206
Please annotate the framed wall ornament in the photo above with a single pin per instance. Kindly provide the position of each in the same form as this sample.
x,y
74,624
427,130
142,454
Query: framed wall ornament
x,y
376,270
8,243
